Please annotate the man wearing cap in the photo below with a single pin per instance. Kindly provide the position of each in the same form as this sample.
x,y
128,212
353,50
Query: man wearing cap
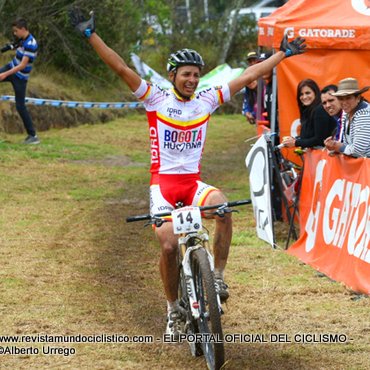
x,y
355,120
268,92
249,108
252,58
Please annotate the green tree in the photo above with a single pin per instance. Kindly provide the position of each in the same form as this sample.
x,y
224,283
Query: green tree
x,y
151,28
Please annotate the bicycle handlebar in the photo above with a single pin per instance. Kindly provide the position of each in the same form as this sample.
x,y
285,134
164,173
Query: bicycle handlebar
x,y
202,208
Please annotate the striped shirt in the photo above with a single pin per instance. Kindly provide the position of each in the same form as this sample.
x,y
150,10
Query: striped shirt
x,y
356,133
27,48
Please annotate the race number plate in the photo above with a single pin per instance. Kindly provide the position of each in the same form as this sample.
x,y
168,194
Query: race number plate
x,y
186,219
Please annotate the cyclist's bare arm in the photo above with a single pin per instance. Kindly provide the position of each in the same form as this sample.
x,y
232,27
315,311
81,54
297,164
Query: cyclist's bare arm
x,y
254,72
115,62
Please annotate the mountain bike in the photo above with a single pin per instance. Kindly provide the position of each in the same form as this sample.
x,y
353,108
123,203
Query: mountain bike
x,y
197,290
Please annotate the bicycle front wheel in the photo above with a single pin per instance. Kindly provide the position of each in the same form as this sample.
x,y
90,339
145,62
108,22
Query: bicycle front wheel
x,y
209,322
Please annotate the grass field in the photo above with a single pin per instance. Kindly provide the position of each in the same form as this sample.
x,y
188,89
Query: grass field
x,y
71,266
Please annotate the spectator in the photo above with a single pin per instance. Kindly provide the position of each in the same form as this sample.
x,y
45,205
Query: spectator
x,y
333,107
249,109
268,92
250,101
17,72
316,124
252,58
355,120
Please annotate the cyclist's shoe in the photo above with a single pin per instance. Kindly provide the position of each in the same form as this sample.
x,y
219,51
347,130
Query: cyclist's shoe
x,y
222,289
176,320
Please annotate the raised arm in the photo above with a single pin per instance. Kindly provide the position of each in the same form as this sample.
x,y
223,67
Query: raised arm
x,y
107,55
254,72
115,62
287,49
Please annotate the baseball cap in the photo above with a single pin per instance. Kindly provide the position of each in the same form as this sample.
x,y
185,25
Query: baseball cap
x,y
264,56
252,55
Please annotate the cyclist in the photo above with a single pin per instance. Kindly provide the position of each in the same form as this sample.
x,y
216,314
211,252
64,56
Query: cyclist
x,y
178,121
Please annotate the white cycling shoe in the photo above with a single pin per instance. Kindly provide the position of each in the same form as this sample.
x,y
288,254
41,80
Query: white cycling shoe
x,y
176,320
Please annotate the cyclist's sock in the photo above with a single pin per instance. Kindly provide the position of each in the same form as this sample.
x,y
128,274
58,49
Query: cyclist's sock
x,y
219,273
172,306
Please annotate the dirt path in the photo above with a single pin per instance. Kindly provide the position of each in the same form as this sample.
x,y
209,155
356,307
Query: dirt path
x,y
71,266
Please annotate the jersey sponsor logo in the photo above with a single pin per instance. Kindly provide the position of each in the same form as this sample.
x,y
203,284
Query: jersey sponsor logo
x,y
154,147
203,188
164,208
173,112
183,139
203,92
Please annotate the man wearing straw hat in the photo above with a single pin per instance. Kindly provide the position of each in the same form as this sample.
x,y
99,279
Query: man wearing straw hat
x,y
355,120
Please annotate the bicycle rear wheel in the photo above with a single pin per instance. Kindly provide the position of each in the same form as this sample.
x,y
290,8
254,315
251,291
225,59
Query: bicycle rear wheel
x,y
209,323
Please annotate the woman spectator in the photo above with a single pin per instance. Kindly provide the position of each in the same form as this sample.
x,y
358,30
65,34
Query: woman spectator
x,y
316,123
355,120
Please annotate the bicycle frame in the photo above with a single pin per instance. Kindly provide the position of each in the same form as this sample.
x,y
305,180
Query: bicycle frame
x,y
198,294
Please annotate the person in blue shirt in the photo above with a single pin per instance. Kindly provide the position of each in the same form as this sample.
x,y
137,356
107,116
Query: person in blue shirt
x,y
249,109
17,72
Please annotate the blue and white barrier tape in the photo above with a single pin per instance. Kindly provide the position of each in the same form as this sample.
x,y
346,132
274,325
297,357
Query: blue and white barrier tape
x,y
75,104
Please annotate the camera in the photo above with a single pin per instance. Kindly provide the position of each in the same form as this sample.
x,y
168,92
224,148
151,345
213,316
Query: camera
x,y
10,46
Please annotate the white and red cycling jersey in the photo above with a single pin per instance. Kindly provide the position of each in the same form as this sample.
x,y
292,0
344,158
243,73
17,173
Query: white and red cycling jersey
x,y
177,132
178,127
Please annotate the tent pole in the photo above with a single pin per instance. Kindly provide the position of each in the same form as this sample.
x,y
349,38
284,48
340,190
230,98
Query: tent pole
x,y
274,118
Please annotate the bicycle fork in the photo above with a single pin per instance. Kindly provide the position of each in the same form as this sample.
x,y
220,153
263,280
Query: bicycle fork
x,y
188,274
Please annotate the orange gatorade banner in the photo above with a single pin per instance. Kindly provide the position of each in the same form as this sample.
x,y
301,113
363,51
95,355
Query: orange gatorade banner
x,y
335,218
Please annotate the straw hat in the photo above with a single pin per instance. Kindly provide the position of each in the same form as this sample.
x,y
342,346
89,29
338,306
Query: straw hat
x,y
349,86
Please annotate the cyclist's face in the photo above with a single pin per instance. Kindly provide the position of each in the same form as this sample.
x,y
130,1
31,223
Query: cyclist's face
x,y
307,96
331,103
186,80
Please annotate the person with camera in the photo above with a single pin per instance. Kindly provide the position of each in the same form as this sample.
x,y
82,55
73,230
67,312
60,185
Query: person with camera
x,y
17,72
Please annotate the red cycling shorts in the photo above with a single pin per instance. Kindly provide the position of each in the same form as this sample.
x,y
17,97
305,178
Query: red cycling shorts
x,y
167,190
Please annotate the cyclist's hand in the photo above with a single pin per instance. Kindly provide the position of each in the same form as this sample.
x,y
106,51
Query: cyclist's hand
x,y
80,23
289,141
295,47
